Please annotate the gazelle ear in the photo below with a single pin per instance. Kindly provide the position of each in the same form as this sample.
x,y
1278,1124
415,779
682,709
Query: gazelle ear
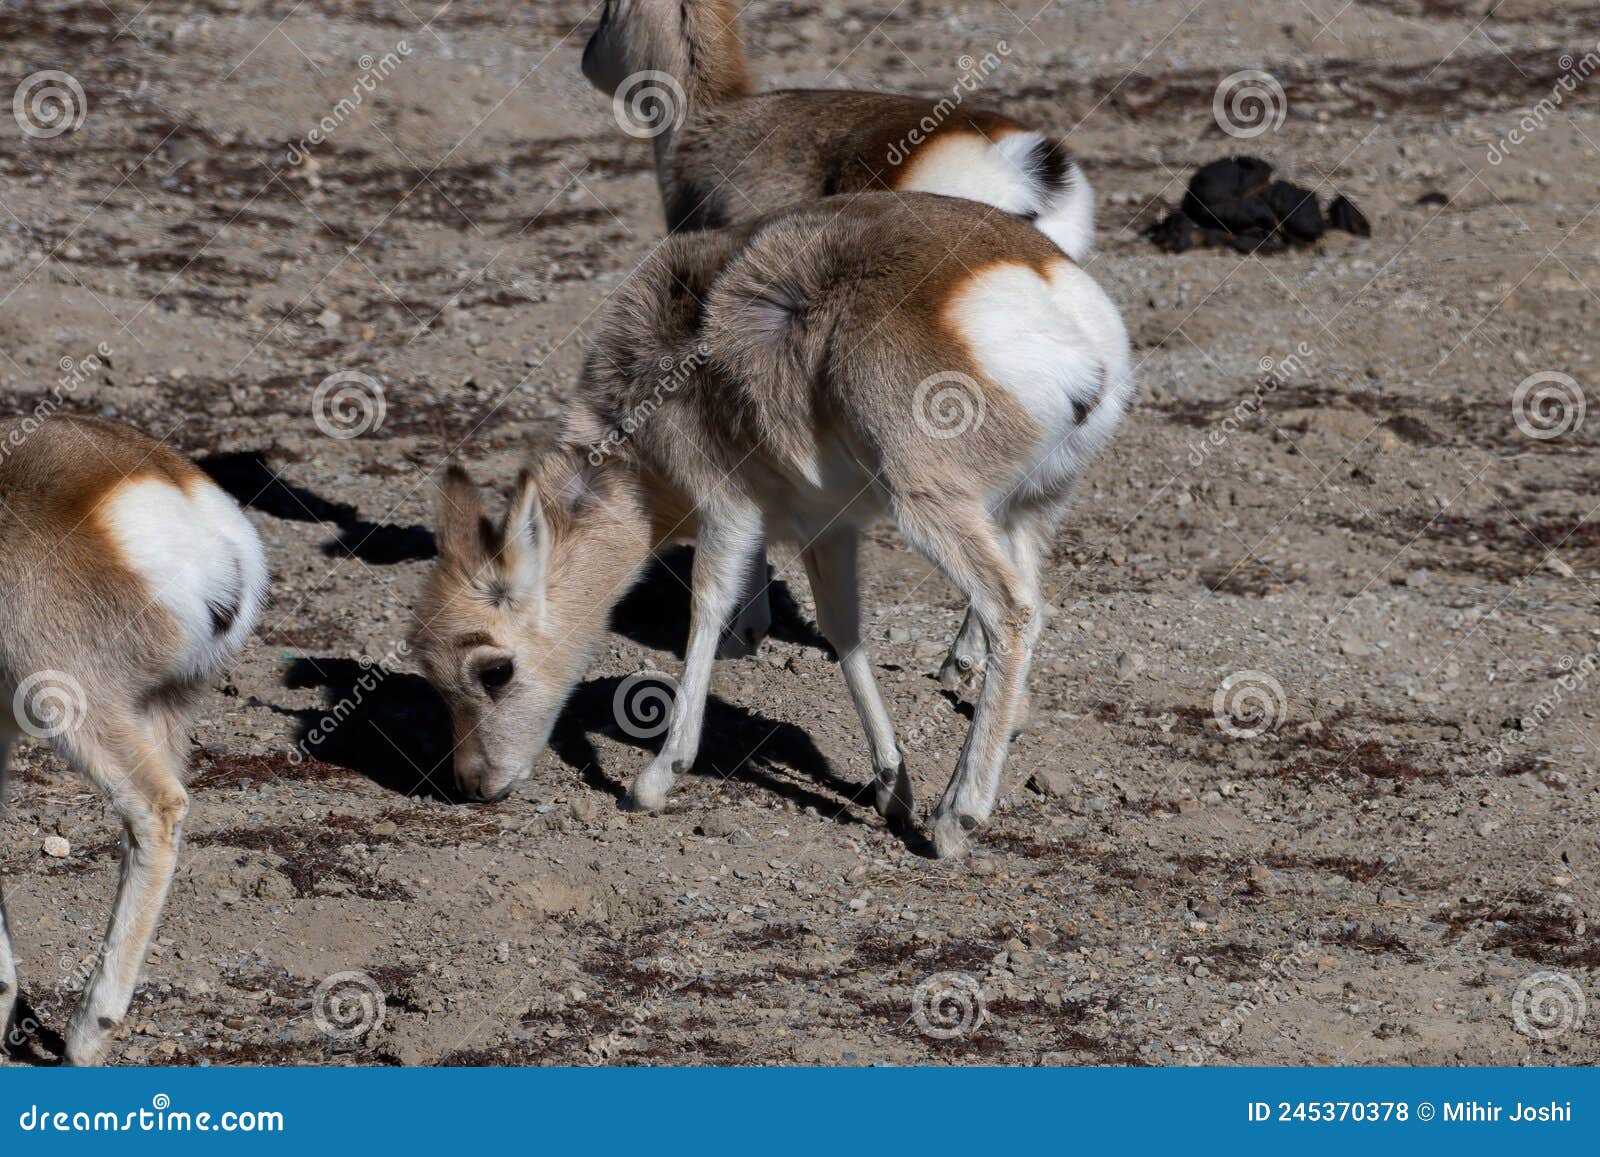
x,y
579,480
463,531
525,542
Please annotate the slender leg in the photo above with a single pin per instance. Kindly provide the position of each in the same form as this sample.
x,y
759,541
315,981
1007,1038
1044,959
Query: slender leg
x,y
964,664
972,550
831,564
1029,541
721,557
8,961
134,766
752,618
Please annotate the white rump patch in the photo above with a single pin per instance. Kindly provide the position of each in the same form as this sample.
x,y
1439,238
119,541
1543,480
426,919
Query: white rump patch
x,y
200,559
1058,346
961,164
1000,173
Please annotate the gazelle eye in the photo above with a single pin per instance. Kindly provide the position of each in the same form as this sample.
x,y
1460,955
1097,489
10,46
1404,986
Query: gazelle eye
x,y
496,674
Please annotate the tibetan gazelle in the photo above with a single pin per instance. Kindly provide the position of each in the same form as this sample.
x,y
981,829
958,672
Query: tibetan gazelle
x,y
728,155
130,580
913,356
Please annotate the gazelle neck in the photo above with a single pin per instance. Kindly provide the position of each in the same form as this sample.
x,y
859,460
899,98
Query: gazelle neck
x,y
707,59
715,68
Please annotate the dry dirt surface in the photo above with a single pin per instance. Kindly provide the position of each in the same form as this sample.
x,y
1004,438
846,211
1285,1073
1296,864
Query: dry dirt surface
x,y
1312,774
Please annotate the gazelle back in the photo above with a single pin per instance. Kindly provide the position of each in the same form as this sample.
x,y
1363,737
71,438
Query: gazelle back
x,y
726,154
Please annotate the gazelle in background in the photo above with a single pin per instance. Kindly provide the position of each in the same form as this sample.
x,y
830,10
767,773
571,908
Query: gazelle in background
x,y
727,154
130,580
827,350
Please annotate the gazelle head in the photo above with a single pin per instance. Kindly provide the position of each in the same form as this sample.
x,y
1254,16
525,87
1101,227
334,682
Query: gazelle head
x,y
616,49
695,42
513,609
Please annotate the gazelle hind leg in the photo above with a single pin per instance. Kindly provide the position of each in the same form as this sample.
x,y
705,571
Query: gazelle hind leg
x,y
963,540
133,764
752,618
721,565
963,666
8,961
832,566
1029,541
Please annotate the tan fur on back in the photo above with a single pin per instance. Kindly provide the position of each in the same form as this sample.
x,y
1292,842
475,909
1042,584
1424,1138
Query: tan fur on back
x,y
807,330
744,158
54,482
732,154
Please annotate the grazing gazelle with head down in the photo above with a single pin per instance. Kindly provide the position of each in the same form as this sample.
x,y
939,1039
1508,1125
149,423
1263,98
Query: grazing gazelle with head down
x,y
820,345
130,580
727,155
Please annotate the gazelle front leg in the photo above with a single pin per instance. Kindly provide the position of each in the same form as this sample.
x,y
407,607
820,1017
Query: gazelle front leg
x,y
135,769
728,536
752,618
832,566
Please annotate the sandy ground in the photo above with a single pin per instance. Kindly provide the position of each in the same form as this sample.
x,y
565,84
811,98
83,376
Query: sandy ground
x,y
1401,867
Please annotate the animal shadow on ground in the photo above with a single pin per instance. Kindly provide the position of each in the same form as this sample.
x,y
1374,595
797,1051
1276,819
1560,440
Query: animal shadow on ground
x,y
736,744
392,728
388,726
655,613
27,1040
247,475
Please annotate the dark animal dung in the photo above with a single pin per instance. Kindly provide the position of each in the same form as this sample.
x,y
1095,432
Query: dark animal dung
x,y
1237,203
